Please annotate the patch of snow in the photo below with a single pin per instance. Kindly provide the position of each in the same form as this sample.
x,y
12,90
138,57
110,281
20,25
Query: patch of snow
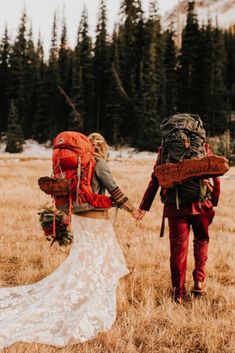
x,y
32,148
129,152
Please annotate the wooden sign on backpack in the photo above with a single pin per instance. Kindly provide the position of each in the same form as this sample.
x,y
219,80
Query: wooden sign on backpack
x,y
169,174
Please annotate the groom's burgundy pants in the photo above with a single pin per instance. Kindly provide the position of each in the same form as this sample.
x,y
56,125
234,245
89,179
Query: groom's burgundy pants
x,y
179,227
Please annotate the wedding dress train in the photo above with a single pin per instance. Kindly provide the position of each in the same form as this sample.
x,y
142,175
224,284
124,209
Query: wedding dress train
x,y
76,301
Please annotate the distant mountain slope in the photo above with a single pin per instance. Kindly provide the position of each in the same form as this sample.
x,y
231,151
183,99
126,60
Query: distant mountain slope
x,y
222,11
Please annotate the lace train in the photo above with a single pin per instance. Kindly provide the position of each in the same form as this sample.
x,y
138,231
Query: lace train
x,y
76,301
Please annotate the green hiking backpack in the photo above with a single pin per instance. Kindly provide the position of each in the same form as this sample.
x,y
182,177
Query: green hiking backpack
x,y
183,137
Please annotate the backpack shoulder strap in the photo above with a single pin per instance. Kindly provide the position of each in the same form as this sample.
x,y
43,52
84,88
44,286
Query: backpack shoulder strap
x,y
159,155
79,178
208,150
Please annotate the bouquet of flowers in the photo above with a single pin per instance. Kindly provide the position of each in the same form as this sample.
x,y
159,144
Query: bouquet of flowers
x,y
62,232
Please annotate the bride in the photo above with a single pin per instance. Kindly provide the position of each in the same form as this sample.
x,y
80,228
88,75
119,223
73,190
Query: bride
x,y
77,300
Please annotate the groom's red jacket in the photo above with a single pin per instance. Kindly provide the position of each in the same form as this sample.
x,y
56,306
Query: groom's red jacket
x,y
170,210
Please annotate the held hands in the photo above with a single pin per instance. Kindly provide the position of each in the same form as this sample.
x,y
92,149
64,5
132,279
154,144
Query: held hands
x,y
65,218
138,214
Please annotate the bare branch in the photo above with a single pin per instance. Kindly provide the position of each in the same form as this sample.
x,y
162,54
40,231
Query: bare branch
x,y
120,85
77,115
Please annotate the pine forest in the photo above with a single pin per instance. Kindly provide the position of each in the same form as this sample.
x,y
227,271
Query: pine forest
x,y
121,84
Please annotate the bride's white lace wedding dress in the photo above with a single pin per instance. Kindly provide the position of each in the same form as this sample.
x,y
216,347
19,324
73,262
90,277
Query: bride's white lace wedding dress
x,y
75,302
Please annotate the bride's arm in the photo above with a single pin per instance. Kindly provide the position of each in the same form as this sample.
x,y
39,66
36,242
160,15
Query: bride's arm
x,y
106,178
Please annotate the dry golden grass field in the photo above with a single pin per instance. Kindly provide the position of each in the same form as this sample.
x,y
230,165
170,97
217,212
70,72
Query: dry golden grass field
x,y
147,320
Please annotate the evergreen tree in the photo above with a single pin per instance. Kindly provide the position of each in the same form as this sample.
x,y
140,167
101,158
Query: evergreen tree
x,y
206,73
63,57
189,80
76,123
230,77
122,87
101,58
41,123
17,62
170,64
65,77
14,133
115,97
52,78
83,78
130,48
147,100
220,104
154,30
131,43
4,79
30,85
146,107
76,91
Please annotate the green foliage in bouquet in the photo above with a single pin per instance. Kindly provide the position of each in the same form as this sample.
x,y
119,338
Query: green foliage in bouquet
x,y
63,234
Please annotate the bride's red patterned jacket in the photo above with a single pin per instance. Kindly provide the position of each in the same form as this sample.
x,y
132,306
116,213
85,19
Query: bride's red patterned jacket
x,y
170,210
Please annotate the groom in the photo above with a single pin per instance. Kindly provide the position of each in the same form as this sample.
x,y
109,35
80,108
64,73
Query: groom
x,y
199,215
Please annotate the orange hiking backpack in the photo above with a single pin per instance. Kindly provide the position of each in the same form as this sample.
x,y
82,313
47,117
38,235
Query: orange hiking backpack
x,y
73,160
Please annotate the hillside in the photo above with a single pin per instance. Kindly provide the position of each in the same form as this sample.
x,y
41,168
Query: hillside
x,y
222,11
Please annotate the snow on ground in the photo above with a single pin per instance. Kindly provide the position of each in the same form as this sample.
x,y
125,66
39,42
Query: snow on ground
x,y
31,148
34,149
128,152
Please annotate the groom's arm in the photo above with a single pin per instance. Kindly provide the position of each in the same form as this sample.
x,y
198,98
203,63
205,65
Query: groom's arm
x,y
152,188
216,191
216,181
149,194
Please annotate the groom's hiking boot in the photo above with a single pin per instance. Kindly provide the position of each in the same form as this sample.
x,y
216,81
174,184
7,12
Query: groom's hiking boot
x,y
178,296
182,300
199,288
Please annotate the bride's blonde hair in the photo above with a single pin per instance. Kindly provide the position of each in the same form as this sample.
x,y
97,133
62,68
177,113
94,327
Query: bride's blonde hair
x,y
100,145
